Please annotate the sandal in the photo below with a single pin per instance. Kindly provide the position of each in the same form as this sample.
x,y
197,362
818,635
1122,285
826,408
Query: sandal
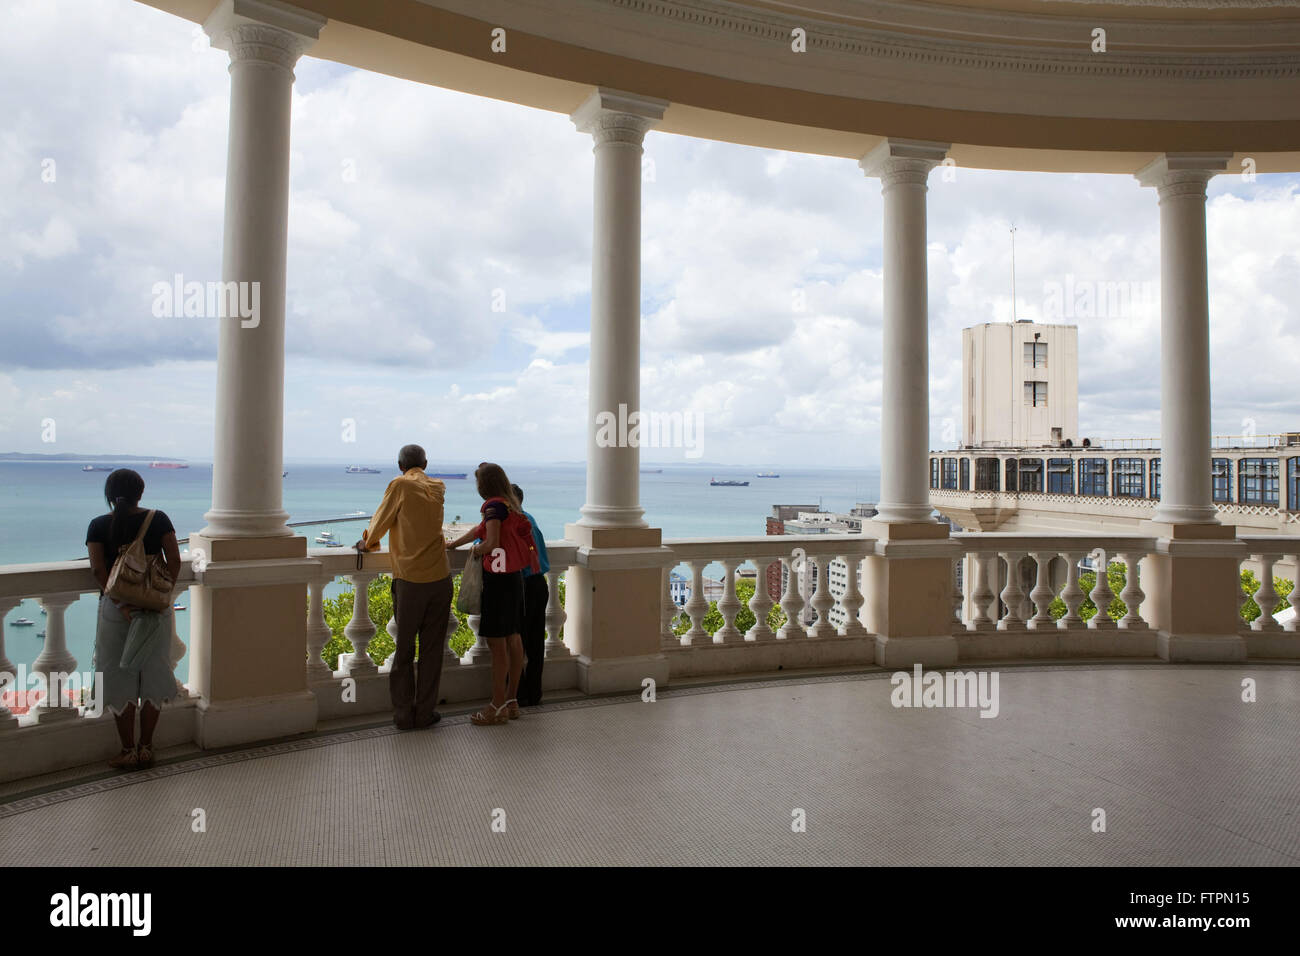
x,y
126,760
485,719
145,758
512,708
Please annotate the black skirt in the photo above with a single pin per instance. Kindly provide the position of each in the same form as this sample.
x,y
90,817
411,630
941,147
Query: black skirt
x,y
503,604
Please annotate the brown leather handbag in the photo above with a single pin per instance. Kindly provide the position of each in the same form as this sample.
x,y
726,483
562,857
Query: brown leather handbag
x,y
138,579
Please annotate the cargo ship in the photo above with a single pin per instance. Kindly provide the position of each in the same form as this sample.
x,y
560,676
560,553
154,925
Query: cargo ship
x,y
767,474
446,474
359,470
97,468
170,465
728,483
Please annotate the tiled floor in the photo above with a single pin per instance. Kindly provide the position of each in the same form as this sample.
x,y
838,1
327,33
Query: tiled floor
x,y
1185,771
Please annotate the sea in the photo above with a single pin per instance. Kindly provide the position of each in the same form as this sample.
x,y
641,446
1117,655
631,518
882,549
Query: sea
x,y
45,507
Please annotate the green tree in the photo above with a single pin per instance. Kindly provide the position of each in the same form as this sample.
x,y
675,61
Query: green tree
x,y
1116,578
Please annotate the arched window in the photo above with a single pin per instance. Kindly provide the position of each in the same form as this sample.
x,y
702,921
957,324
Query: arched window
x,y
1257,481
949,477
934,472
987,477
963,480
1011,484
1031,474
1155,478
1221,476
1060,476
1293,484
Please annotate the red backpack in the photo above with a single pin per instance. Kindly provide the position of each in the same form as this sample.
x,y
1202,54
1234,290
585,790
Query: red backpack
x,y
517,543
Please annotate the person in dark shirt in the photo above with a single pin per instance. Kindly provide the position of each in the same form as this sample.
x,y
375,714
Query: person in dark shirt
x,y
502,617
154,683
536,596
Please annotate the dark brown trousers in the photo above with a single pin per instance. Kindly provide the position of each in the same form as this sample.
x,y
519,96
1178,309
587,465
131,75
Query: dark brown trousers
x,y
421,608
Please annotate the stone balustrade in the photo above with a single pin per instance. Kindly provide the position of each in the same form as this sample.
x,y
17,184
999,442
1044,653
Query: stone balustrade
x,y
817,581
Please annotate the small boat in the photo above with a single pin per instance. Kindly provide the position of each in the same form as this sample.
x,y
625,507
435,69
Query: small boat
x,y
728,483
325,537
652,471
23,622
178,607
447,474
767,474
333,544
96,468
168,465
360,470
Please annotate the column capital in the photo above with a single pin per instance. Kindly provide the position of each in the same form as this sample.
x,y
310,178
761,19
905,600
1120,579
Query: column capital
x,y
1182,175
611,116
266,32
908,161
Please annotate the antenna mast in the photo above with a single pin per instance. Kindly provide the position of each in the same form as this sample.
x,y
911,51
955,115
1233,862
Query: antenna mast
x,y
1013,273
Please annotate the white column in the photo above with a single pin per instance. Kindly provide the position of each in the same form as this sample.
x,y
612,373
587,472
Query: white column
x,y
264,42
618,123
1185,488
903,167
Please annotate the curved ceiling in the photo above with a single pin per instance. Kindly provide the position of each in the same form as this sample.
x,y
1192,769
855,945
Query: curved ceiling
x,y
1013,84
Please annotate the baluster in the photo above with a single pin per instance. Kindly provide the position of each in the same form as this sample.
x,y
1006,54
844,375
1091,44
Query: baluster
x,y
1293,625
822,599
1266,597
453,625
981,594
1012,594
761,603
318,632
958,598
728,605
791,600
697,606
555,617
7,720
1101,594
1242,597
667,612
853,599
360,629
178,647
55,659
1132,595
1042,594
1072,595
479,653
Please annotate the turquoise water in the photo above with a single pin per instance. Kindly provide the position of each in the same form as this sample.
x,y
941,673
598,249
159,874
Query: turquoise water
x,y
45,507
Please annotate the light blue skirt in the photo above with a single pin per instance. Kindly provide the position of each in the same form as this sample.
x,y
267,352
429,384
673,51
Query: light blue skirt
x,y
154,681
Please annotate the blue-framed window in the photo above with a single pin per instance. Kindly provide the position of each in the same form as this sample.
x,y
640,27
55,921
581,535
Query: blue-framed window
x,y
963,481
1221,477
1129,477
949,477
1060,476
1011,484
1092,477
1293,484
934,472
1257,481
987,474
1155,478
1031,474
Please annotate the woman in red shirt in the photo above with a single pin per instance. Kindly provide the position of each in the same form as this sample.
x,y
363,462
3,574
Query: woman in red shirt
x,y
502,617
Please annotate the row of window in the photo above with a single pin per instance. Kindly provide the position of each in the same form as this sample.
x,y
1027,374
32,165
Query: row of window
x,y
1258,479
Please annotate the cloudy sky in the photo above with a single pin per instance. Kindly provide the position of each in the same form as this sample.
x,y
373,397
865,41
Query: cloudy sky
x,y
413,207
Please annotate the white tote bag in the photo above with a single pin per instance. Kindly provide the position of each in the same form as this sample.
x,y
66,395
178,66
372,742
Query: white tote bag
x,y
470,598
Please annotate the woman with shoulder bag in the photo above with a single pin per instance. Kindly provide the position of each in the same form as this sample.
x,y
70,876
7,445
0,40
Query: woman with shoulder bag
x,y
502,616
133,552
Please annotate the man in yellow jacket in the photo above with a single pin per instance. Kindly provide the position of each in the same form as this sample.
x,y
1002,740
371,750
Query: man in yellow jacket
x,y
411,516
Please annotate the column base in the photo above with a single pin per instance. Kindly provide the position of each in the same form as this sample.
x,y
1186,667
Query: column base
x,y
1203,648
621,674
230,722
937,651
610,516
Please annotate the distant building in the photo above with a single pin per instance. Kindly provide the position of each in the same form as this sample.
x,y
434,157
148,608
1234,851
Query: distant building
x,y
1020,384
810,519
